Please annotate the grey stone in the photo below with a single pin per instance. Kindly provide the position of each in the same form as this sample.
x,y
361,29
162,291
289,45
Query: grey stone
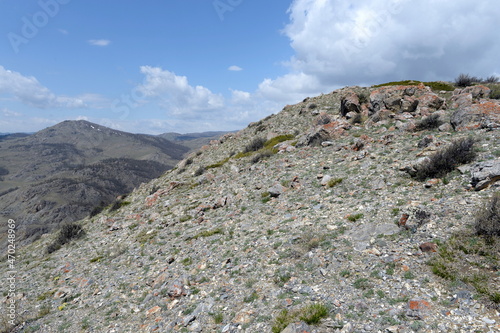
x,y
484,174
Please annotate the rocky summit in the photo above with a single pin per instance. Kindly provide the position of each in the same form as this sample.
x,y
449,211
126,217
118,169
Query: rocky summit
x,y
347,212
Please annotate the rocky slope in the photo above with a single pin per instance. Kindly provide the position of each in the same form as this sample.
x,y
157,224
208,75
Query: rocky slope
x,y
313,205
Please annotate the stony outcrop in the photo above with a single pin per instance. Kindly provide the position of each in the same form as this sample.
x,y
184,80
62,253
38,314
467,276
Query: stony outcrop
x,y
416,100
485,174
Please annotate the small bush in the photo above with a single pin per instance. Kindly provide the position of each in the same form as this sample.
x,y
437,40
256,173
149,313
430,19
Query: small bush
x,y
445,160
465,80
355,217
334,181
491,79
312,314
118,203
488,218
255,145
66,234
428,123
199,171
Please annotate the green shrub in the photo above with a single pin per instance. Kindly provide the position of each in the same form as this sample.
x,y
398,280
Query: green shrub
x,y
355,217
66,234
334,181
446,159
313,313
255,145
310,314
118,203
427,123
488,218
260,156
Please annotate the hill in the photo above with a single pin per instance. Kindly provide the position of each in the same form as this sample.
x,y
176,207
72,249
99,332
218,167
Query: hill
x,y
361,210
60,174
193,140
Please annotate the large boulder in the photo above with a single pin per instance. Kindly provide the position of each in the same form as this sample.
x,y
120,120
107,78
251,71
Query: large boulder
x,y
485,173
350,103
484,114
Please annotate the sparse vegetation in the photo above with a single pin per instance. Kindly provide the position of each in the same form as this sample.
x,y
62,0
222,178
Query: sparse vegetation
x,y
428,123
334,181
488,217
67,233
471,259
354,217
310,314
447,159
434,85
466,80
255,145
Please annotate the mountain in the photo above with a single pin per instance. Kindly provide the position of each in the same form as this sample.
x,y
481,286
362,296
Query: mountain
x,y
60,174
368,209
193,140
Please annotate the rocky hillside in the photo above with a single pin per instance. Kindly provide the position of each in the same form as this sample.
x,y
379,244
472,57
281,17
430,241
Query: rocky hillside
x,y
63,172
352,211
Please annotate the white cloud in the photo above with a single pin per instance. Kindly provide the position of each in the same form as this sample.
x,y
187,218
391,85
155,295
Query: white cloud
x,y
99,42
340,42
235,68
9,113
176,94
239,96
29,91
64,32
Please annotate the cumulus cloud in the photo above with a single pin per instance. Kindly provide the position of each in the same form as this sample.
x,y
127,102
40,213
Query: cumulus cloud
x,y
99,42
339,42
29,91
235,68
176,94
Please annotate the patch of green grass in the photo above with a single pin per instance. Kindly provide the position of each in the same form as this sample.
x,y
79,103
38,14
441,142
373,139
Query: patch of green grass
x,y
362,283
187,261
208,233
269,144
334,181
313,313
354,217
469,258
145,236
310,314
252,297
218,164
434,85
218,317
185,218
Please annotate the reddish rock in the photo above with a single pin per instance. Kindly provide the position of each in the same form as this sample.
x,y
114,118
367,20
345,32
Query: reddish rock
x,y
153,311
428,247
403,220
419,305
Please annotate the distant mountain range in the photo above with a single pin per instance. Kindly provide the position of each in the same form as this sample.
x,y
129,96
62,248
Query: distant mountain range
x,y
62,173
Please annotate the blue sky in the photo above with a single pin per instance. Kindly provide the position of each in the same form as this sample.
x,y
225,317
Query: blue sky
x,y
198,65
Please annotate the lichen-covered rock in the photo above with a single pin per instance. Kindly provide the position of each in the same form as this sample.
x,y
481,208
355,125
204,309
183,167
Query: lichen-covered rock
x,y
485,114
484,174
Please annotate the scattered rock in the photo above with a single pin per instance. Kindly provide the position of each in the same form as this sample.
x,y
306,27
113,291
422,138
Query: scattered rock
x,y
484,174
428,247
